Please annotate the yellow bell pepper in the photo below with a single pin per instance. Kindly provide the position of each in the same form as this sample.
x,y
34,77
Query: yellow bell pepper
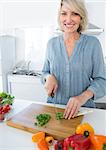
x,y
85,129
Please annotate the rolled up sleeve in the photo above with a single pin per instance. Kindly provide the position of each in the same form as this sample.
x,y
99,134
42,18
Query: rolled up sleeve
x,y
98,82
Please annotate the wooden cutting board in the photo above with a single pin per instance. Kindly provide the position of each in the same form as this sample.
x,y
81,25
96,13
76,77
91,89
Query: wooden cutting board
x,y
59,129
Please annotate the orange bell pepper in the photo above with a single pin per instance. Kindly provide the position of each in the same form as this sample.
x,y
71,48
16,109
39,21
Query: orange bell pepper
x,y
98,142
42,145
37,136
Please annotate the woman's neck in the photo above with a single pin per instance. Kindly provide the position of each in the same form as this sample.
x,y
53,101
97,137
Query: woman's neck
x,y
71,36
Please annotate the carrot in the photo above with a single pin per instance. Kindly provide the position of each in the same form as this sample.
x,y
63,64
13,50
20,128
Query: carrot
x,y
42,144
36,137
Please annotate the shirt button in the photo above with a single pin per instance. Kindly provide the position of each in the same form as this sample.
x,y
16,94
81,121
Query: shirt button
x,y
67,69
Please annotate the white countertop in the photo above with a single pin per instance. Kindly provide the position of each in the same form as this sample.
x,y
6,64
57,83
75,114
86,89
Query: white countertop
x,y
15,139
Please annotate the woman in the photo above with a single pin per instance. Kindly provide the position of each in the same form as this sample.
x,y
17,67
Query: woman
x,y
74,68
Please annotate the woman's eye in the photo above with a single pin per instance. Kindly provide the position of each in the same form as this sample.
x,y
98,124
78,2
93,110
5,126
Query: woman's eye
x,y
63,14
75,14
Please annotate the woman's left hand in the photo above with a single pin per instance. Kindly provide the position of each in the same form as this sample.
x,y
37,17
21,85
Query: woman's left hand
x,y
75,103
72,107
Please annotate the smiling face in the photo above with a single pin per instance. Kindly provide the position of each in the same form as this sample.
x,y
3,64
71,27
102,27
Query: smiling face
x,y
69,19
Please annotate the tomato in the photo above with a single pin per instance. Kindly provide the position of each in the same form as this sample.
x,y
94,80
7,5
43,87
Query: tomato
x,y
1,107
1,117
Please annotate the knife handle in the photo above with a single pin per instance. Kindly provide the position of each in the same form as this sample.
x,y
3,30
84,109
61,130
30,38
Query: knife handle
x,y
52,95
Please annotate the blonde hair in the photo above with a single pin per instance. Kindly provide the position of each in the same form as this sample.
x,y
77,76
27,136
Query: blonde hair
x,y
80,8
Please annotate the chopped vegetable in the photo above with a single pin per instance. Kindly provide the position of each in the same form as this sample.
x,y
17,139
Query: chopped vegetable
x,y
42,119
59,116
98,142
49,140
42,144
36,137
86,129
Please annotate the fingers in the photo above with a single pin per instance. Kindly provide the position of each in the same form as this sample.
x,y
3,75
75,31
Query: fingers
x,y
49,92
72,109
51,89
68,109
73,112
55,88
76,112
51,85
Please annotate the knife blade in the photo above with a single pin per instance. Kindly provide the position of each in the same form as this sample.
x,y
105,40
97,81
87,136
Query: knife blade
x,y
54,101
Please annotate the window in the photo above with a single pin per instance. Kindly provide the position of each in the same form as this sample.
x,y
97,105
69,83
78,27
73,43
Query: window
x,y
35,42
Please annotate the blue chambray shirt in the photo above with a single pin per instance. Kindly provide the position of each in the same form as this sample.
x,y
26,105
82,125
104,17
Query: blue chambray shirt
x,y
83,70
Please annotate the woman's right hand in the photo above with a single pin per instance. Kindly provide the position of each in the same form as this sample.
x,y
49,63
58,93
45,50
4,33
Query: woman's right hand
x,y
51,84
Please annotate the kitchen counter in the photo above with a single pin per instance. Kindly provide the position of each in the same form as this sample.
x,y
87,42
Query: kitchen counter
x,y
15,139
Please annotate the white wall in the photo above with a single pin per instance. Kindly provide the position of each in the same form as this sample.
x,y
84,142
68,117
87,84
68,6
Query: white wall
x,y
1,88
105,30
97,16
1,28
1,16
29,14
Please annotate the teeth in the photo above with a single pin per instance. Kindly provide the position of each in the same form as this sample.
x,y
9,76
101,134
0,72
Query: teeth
x,y
69,25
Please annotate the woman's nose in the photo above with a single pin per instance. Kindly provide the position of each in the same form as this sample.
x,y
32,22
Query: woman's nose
x,y
69,18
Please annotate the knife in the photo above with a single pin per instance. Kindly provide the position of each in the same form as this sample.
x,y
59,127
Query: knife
x,y
52,96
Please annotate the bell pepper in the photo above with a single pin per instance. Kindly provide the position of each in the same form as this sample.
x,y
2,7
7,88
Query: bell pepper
x,y
59,145
98,142
37,136
77,142
86,129
42,145
49,140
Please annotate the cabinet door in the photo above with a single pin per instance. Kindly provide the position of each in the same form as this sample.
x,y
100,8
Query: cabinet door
x,y
27,88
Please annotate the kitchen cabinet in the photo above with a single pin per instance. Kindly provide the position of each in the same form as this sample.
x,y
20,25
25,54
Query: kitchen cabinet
x,y
26,87
1,88
7,58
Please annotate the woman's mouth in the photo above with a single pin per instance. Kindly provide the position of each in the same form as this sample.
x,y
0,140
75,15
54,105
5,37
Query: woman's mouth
x,y
69,25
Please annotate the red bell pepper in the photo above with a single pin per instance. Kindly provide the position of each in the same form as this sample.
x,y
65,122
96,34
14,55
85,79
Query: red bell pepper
x,y
77,142
59,145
